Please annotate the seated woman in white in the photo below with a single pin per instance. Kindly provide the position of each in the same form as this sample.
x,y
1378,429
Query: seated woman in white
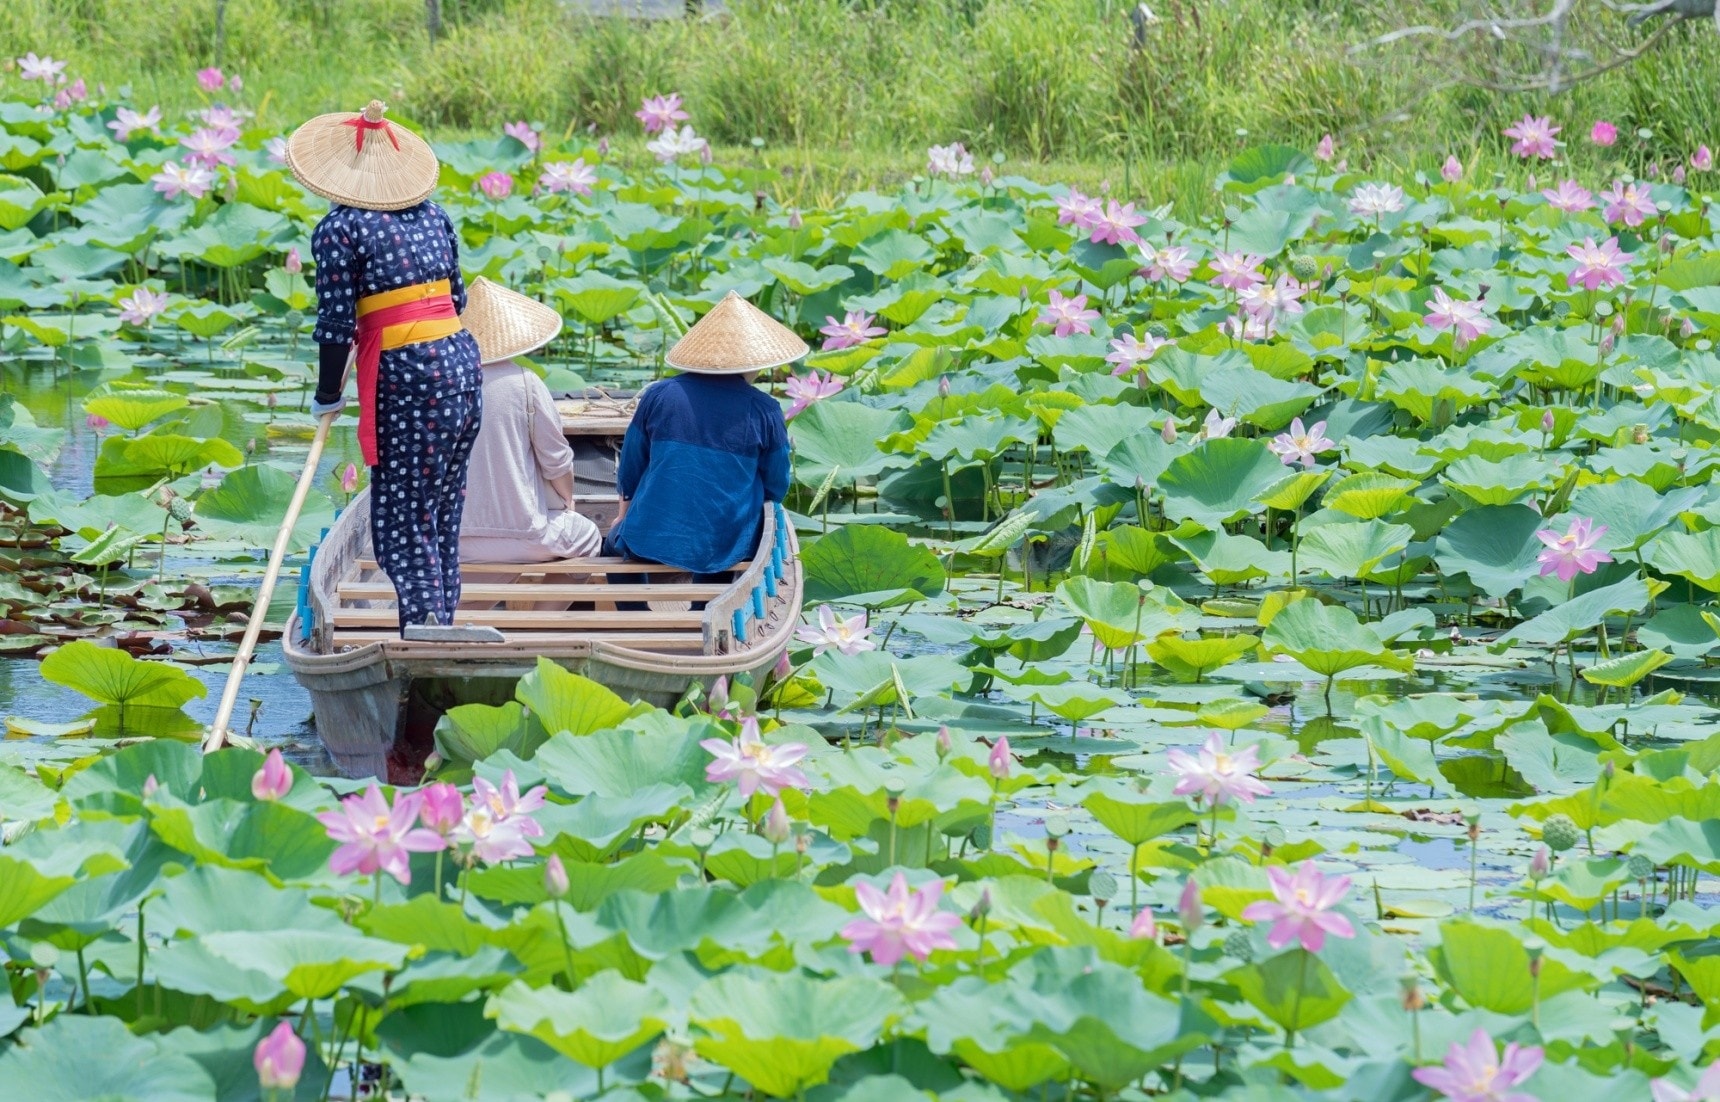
x,y
519,486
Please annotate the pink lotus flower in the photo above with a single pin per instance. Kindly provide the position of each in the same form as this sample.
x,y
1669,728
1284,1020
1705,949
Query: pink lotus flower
x,y
221,117
1128,352
44,69
1190,911
1570,197
441,808
95,422
506,803
498,825
803,390
210,147
294,263
1216,776
1465,319
1247,327
1475,1072
1628,203
555,880
190,179
374,837
660,112
279,1059
1302,911
900,923
75,92
1144,927
1603,133
999,760
1326,149
1078,210
1301,445
349,478
1598,266
575,176
210,79
1170,262
1452,170
856,327
1237,271
1067,315
1535,137
1702,161
753,764
495,185
675,143
850,636
1116,224
1269,302
127,122
277,150
274,779
1375,200
1707,1088
1574,552
139,307
1216,426
150,786
949,160
523,133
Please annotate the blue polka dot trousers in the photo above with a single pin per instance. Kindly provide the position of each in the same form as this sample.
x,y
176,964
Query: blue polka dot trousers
x,y
418,491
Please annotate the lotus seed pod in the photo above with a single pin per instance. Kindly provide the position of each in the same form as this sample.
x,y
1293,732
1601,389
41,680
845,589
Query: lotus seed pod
x,y
981,837
1560,833
1304,267
1102,886
702,839
1239,945
1159,330
1639,867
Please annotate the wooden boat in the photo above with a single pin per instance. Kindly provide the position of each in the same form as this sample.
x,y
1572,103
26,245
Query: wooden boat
x,y
377,697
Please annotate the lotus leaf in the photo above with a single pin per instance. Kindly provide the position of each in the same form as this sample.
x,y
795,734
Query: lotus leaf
x,y
596,1025
871,566
1219,480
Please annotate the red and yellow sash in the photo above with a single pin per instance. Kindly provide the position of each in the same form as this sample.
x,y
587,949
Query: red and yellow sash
x,y
393,319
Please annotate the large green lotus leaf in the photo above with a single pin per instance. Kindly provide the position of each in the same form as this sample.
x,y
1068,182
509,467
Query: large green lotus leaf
x,y
425,923
24,798
94,905
270,835
1494,546
441,978
1121,614
843,437
589,884
1353,550
1132,550
1260,165
24,888
870,565
72,262
1500,482
266,970
1097,429
508,1067
718,924
1256,397
921,675
162,453
1488,968
112,676
1632,512
1191,659
1695,556
893,254
595,827
568,704
1295,989
113,784
1410,758
19,431
782,1033
597,297
1228,559
1369,495
617,763
209,320
1133,820
1076,701
1626,670
249,504
1219,480
19,201
1328,639
235,234
966,1019
80,1058
976,438
127,216
603,1020
472,732
1139,460
59,330
1293,490
132,409
225,1053
1098,1015
209,899
1582,613
1418,386
804,279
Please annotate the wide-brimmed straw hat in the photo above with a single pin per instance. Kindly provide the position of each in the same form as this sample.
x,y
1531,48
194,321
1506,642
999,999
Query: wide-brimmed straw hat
x,y
734,338
506,323
363,160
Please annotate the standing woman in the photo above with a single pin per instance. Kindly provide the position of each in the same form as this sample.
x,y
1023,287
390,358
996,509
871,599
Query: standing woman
x,y
389,295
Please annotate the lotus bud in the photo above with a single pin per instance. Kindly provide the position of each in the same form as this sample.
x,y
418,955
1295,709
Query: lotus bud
x,y
1639,434
100,423
1535,947
1607,342
777,829
999,760
1678,175
1452,170
274,779
1618,325
705,154
943,386
943,743
441,807
279,1059
794,220
1541,864
349,478
270,400
1189,911
1474,820
1608,770
251,446
1144,927
433,762
784,669
1169,432
1456,635
555,877
802,841
982,905
1534,185
1547,420
603,146
718,700
150,786
1413,999
294,263
985,176
1687,329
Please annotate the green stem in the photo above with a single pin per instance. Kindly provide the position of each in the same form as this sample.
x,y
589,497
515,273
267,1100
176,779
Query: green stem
x,y
567,954
1296,1006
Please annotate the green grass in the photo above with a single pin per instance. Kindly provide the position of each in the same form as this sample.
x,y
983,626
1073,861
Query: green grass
x,y
848,93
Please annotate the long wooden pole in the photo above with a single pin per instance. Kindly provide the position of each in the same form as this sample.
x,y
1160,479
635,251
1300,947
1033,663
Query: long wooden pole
x,y
218,732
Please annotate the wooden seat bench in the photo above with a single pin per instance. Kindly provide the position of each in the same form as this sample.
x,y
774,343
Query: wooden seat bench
x,y
511,618
600,565
675,641
546,591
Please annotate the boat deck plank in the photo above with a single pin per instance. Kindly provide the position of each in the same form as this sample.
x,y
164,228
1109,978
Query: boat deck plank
x,y
532,619
547,591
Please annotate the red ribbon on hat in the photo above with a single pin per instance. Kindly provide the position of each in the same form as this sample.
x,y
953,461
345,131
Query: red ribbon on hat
x,y
361,124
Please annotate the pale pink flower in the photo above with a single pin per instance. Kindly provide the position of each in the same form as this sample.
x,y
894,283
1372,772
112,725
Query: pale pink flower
x,y
175,180
1271,301
142,305
1452,170
210,79
676,142
900,923
1247,327
274,779
1215,775
506,803
1301,445
523,133
1707,1088
221,117
1570,197
1169,433
753,764
803,390
1574,552
1128,351
1603,133
1475,1072
951,160
492,840
1190,911
294,263
1170,262
1067,315
279,1059
441,807
1702,161
277,150
1678,175
1216,426
999,760
44,69
1465,319
235,83
1535,137
150,786
1598,266
1326,149
127,122
1116,224
98,423
1237,271
856,327
555,880
210,147
1374,200
1078,210
1144,927
349,478
1302,911
75,92
1628,203
495,185
850,636
374,837
661,112
575,176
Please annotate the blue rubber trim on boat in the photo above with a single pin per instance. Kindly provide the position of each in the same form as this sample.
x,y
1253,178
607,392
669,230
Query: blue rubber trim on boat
x,y
770,583
740,625
304,603
758,603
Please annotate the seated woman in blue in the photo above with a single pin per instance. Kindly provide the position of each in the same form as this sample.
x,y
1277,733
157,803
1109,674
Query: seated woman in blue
x,y
705,450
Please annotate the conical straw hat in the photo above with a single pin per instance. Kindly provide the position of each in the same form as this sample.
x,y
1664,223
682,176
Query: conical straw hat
x,y
734,338
506,323
362,160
